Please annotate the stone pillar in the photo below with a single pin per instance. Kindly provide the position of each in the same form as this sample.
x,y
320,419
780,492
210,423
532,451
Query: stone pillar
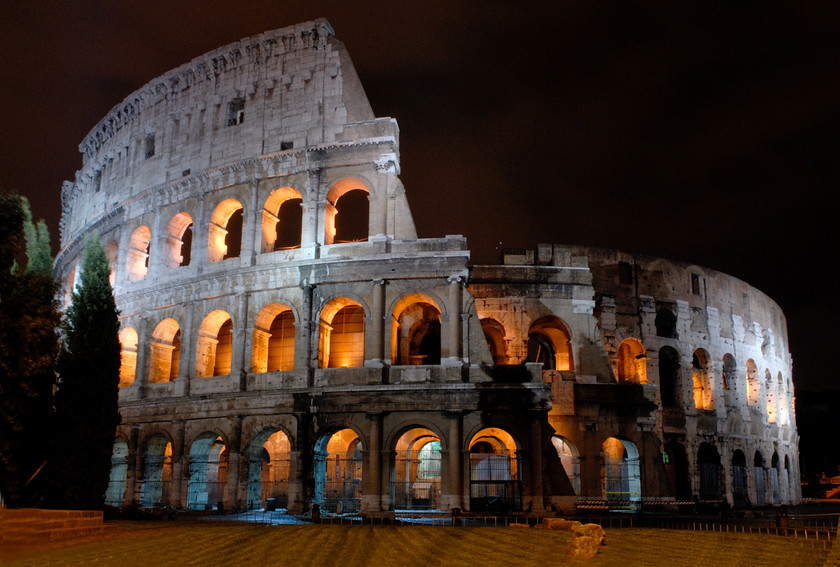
x,y
232,497
386,170
377,331
294,494
452,349
176,498
141,371
453,488
251,226
372,477
239,354
535,463
131,473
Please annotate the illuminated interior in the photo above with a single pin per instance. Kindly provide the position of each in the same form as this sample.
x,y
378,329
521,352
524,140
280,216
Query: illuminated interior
x,y
268,471
753,383
208,472
178,245
620,479
417,476
549,343
348,197
128,356
274,339
632,362
701,376
341,337
165,351
281,220
137,263
494,471
115,494
569,458
338,472
494,333
415,331
157,472
215,340
225,231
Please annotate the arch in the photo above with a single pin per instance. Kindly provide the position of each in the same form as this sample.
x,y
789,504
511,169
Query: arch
x,y
416,471
569,458
770,389
666,323
115,494
632,362
701,376
179,236
137,258
341,336
215,345
338,472
415,331
347,212
729,372
268,470
774,478
620,478
494,333
753,383
740,493
225,231
494,472
282,220
208,472
708,464
670,384
675,459
165,352
760,485
70,287
157,472
782,401
549,342
274,339
112,253
128,356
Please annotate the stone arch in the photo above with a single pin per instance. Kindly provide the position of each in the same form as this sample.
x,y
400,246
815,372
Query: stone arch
x,y
760,484
549,342
494,333
207,472
702,379
269,464
225,231
70,286
338,471
675,459
620,476
128,356
112,253
782,400
666,323
179,237
670,383
753,383
274,339
165,352
341,335
115,494
632,362
569,458
775,465
215,345
137,258
282,220
771,402
157,471
729,373
415,467
708,465
740,485
494,471
416,330
350,197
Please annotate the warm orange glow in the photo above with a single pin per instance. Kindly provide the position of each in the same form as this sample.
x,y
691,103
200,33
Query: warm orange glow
x,y
128,356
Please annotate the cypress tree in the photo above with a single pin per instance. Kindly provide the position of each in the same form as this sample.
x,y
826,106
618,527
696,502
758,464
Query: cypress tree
x,y
29,317
86,399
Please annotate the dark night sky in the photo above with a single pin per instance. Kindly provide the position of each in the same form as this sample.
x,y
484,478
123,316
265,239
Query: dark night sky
x,y
704,132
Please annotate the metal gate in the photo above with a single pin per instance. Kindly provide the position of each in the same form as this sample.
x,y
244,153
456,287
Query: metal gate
x,y
494,486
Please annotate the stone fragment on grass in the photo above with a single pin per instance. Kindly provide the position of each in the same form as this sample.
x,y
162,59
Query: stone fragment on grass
x,y
559,524
586,539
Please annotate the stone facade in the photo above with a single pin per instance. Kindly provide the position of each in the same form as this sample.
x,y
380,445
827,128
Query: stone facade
x,y
288,340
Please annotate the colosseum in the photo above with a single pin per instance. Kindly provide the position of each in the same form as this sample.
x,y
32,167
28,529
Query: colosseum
x,y
289,341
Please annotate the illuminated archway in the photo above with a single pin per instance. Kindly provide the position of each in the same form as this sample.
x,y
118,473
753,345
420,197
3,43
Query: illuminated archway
x,y
770,389
620,478
268,470
157,472
282,220
165,352
274,339
112,253
569,458
632,362
549,343
115,495
753,383
179,236
494,334
225,231
415,331
701,376
494,472
338,472
347,212
341,338
415,473
208,472
760,484
215,344
137,258
128,356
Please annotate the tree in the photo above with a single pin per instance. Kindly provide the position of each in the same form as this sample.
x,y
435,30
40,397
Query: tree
x,y
29,317
87,414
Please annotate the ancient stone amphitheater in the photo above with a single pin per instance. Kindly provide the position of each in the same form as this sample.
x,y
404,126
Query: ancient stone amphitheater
x,y
288,340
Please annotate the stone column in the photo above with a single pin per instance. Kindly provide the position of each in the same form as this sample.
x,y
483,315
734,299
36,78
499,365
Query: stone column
x,y
454,486
536,465
176,498
239,356
377,331
132,461
232,495
452,350
372,477
386,170
251,226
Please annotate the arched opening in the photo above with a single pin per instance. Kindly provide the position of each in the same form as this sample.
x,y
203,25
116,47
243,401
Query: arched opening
x,y
670,388
415,331
782,400
274,339
111,252
208,472
415,473
282,220
701,376
729,373
620,480
338,472
115,495
268,471
770,388
179,235
215,342
341,337
708,463
70,287
137,258
760,485
128,356
225,231
347,212
788,480
494,333
570,459
666,323
740,487
675,459
753,383
494,472
157,472
549,343
165,352
632,362
774,478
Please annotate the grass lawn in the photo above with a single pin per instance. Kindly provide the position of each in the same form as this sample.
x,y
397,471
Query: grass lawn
x,y
151,544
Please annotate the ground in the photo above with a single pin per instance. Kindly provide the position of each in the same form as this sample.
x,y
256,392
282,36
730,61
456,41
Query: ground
x,y
176,543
